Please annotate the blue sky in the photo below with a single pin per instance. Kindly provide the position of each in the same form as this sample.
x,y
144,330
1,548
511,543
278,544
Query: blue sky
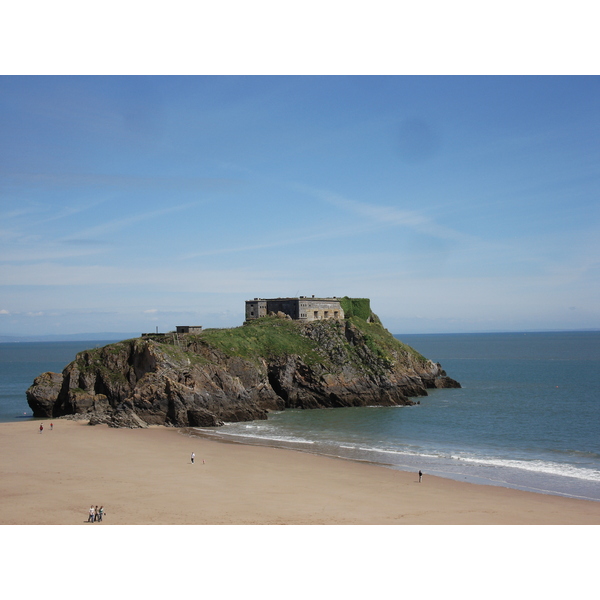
x,y
457,204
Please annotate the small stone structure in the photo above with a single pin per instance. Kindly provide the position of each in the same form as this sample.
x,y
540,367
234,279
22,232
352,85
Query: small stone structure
x,y
178,329
299,309
188,329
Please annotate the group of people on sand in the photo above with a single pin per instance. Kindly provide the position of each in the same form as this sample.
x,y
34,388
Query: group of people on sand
x,y
95,514
42,427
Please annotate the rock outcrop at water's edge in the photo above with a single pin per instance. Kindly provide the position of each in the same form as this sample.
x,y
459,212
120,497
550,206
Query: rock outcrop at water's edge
x,y
237,375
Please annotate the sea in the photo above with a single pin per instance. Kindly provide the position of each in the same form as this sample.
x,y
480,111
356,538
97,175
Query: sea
x,y
22,362
527,415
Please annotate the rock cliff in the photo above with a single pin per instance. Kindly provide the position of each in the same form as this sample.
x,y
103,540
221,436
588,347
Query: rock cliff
x,y
237,374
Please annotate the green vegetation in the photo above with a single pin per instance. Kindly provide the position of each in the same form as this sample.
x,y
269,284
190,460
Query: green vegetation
x,y
95,361
380,341
356,307
267,337
319,342
170,347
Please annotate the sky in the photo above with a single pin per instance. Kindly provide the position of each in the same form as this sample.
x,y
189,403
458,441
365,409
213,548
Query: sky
x,y
455,203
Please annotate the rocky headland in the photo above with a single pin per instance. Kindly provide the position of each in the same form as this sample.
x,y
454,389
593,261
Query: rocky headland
x,y
238,374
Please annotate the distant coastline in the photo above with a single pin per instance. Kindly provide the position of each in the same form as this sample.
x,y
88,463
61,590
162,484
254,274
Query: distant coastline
x,y
72,337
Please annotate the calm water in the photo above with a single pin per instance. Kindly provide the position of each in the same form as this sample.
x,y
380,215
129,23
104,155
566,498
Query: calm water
x,y
528,415
21,363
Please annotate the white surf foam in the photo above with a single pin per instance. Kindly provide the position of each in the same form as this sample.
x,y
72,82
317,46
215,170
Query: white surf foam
x,y
537,466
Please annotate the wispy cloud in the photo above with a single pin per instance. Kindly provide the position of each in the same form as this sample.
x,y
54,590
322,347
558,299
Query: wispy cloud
x,y
25,236
372,217
204,280
389,216
88,181
117,224
45,252
291,239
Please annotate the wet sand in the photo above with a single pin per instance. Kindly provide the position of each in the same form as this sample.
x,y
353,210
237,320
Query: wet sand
x,y
145,476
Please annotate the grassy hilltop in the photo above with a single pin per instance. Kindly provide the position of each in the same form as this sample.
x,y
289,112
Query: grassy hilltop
x,y
240,373
273,337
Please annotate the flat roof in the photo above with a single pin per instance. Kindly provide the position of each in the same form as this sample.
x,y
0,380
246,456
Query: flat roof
x,y
295,298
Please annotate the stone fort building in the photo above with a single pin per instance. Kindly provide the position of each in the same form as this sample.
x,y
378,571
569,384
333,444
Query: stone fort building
x,y
300,309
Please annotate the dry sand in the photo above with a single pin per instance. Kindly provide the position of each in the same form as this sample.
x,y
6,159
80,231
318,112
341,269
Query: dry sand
x,y
145,476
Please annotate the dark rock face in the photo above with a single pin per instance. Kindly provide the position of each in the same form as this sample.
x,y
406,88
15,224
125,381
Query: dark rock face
x,y
42,395
142,382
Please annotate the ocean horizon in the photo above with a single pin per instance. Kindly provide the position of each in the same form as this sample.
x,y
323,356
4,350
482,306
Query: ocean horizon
x,y
527,415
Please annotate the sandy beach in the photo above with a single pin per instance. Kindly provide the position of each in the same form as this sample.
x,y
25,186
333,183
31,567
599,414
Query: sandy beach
x,y
145,476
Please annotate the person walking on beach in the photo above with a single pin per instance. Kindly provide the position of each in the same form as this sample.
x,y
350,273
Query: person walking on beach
x,y
51,426
100,513
420,476
193,456
91,515
41,428
96,513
